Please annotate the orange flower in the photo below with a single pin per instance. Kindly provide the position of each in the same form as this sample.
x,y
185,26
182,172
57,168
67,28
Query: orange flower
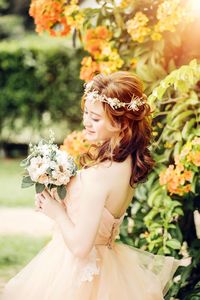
x,y
175,179
48,16
95,39
103,33
94,47
194,157
89,68
75,144
188,175
179,167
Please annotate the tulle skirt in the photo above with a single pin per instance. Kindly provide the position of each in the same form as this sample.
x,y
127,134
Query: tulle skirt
x,y
123,272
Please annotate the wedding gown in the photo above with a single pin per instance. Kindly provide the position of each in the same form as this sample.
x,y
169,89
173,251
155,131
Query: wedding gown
x,y
112,270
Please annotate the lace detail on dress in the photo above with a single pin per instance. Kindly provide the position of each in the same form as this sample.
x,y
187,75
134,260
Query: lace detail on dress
x,y
114,233
90,268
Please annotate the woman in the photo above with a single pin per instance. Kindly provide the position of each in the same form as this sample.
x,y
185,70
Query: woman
x,y
83,261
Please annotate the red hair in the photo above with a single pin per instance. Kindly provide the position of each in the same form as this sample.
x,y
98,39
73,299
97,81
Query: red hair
x,y
134,127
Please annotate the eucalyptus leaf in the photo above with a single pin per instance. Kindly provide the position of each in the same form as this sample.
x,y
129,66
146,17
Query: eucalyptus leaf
x,y
39,187
24,163
26,185
27,182
61,190
27,179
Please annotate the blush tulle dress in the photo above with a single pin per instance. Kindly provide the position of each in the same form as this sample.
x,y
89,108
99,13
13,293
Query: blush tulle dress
x,y
112,270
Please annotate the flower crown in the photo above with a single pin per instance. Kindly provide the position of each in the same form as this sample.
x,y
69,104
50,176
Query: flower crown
x,y
115,103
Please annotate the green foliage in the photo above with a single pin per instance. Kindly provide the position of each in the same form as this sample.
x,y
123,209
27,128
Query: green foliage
x,y
164,223
3,5
11,174
176,111
11,26
16,251
182,80
27,182
37,79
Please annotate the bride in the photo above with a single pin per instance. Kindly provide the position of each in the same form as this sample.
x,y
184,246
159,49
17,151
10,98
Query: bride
x,y
83,260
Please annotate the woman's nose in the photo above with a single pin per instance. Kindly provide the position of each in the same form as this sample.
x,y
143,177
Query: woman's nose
x,y
86,121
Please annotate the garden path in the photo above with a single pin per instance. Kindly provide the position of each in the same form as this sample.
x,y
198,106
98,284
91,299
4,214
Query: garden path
x,y
24,221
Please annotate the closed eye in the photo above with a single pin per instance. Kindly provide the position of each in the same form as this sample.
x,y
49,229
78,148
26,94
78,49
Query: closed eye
x,y
96,120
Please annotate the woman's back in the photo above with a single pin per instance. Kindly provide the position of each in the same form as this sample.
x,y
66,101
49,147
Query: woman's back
x,y
116,180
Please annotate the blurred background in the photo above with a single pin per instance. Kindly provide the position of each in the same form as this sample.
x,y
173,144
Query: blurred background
x,y
40,89
40,85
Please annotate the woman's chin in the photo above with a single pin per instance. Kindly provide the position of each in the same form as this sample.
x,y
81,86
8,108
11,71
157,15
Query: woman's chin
x,y
90,136
91,139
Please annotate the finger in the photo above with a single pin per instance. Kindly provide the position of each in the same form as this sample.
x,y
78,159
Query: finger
x,y
47,195
38,201
38,208
56,197
40,198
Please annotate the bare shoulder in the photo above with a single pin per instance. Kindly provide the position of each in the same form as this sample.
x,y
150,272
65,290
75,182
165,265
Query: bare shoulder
x,y
96,173
107,172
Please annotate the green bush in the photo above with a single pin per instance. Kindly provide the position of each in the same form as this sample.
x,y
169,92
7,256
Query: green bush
x,y
11,26
11,175
38,77
16,251
4,4
163,213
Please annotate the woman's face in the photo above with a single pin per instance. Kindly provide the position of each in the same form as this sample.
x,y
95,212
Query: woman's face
x,y
97,126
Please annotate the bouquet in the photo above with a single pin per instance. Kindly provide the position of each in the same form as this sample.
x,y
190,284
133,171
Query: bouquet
x,y
48,167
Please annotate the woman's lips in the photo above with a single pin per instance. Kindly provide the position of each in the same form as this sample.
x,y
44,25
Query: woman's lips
x,y
88,131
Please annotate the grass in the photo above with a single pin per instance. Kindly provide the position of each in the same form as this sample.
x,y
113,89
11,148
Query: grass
x,y
11,193
16,251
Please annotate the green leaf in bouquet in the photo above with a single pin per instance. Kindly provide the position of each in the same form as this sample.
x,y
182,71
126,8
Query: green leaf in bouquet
x,y
49,170
26,182
61,190
51,186
24,162
39,187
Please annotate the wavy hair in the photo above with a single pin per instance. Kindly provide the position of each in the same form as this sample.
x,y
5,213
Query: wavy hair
x,y
134,132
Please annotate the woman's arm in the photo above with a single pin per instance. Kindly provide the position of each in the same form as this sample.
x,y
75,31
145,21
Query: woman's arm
x,y
80,237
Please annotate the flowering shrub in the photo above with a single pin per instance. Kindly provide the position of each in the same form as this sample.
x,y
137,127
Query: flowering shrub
x,y
49,16
176,179
104,56
113,34
137,27
186,167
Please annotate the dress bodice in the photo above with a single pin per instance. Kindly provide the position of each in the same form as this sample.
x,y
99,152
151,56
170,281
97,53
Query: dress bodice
x,y
109,225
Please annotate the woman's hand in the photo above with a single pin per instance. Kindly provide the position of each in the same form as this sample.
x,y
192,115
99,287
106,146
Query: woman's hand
x,y
49,206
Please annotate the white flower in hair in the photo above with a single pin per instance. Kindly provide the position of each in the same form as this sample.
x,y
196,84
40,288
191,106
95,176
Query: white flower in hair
x,y
113,102
135,103
93,95
88,86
